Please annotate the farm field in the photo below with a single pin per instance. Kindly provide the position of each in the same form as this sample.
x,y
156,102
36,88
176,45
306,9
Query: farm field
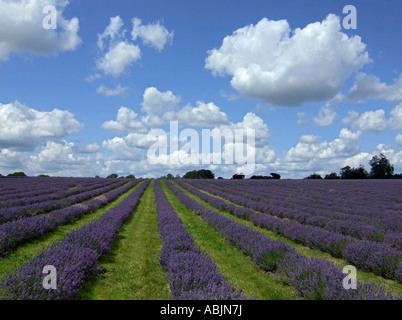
x,y
146,239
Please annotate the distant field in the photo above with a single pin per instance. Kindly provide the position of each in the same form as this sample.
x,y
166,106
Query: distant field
x,y
145,239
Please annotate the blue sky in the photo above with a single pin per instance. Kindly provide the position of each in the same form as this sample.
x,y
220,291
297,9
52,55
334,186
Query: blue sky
x,y
81,100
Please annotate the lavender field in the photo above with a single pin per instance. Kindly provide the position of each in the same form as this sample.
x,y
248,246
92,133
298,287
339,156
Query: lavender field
x,y
185,239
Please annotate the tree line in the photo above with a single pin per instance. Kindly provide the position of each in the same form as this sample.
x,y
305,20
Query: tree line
x,y
381,168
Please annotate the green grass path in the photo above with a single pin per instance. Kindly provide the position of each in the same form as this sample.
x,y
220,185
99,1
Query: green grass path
x,y
132,271
239,270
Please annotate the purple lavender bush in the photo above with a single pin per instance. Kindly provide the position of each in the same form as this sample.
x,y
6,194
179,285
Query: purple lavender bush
x,y
190,271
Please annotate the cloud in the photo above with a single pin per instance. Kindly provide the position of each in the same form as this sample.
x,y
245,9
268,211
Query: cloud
x,y
251,122
204,115
398,140
21,29
23,128
308,139
268,62
395,121
118,58
154,35
11,161
112,32
353,116
125,122
368,86
326,117
90,148
111,92
122,53
371,121
375,120
308,148
160,107
64,158
301,118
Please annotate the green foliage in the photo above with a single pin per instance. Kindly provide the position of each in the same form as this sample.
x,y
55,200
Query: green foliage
x,y
354,173
238,176
199,174
381,168
273,176
314,176
112,176
332,175
17,174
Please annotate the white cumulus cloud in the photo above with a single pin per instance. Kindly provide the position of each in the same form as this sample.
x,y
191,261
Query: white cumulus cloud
x,y
160,107
118,58
21,29
154,35
368,86
204,115
326,116
125,122
395,121
25,128
270,62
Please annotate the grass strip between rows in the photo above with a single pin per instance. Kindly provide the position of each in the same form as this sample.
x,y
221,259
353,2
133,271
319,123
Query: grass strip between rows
x,y
131,271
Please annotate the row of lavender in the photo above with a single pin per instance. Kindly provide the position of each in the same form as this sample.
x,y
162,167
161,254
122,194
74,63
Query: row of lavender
x,y
357,195
75,257
376,211
313,278
17,232
30,186
14,213
53,193
367,255
382,228
191,272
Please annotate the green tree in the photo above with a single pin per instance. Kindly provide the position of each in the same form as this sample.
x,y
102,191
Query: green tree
x,y
381,168
112,176
332,175
354,173
205,174
191,175
275,175
17,174
238,176
200,174
314,176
